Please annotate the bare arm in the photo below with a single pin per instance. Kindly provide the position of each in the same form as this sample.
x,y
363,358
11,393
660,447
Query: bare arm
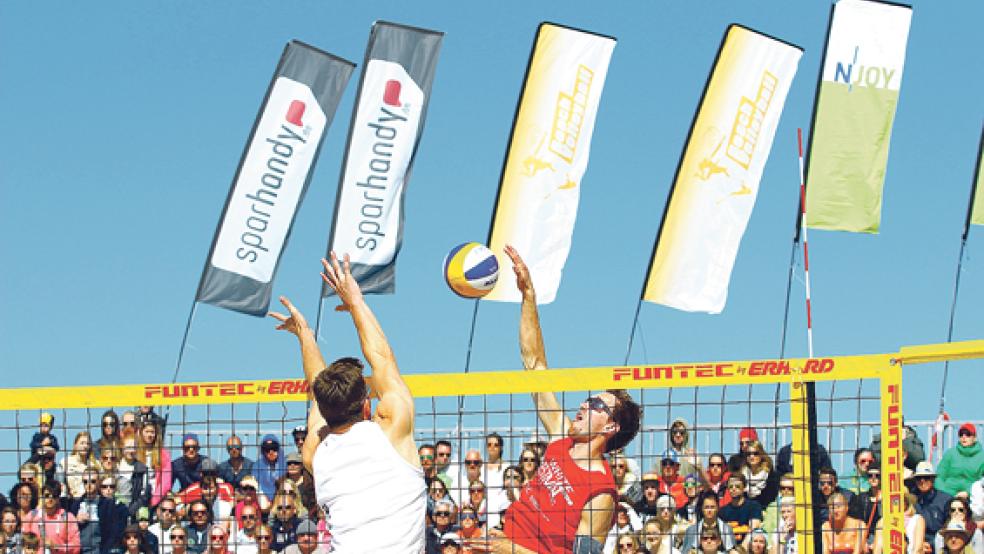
x,y
313,362
596,517
395,409
532,350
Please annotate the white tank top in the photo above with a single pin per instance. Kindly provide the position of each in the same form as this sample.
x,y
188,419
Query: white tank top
x,y
376,501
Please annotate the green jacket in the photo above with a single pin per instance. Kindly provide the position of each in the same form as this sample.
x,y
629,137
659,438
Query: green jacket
x,y
959,468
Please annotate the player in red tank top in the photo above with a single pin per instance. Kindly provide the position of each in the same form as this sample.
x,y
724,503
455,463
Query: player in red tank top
x,y
569,505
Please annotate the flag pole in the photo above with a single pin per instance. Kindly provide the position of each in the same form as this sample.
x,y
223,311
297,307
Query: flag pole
x,y
635,323
317,321
963,244
806,249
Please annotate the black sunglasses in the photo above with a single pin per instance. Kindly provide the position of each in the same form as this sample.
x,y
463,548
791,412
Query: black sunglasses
x,y
597,404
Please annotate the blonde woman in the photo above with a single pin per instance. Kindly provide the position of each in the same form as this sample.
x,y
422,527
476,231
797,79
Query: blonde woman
x,y
842,534
915,530
760,473
286,487
75,464
151,452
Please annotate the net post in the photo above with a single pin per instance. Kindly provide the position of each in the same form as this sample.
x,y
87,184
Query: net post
x,y
799,411
893,505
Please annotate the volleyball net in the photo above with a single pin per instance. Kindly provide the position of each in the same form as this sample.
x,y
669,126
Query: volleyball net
x,y
858,398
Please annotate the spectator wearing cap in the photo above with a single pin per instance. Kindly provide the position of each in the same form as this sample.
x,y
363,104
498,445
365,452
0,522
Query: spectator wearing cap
x,y
249,495
955,539
45,423
307,539
269,465
692,487
670,481
771,514
146,414
186,468
300,435
963,464
745,437
236,466
450,543
151,546
45,459
59,527
931,503
959,511
647,506
303,480
100,519
132,541
218,495
742,513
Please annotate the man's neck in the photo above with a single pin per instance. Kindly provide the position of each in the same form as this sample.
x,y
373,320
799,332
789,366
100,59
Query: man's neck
x,y
589,455
738,500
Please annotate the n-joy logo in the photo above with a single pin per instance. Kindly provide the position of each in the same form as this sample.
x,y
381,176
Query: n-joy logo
x,y
866,76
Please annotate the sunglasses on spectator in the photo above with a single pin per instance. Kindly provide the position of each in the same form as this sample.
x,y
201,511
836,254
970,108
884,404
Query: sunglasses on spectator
x,y
249,516
715,464
426,456
442,514
965,434
89,481
753,453
284,508
473,462
597,404
678,432
467,515
218,537
199,512
264,537
826,483
492,444
865,460
109,423
190,447
109,458
958,510
178,537
475,491
708,538
232,447
690,484
107,486
528,459
874,475
47,496
626,545
166,510
248,488
129,424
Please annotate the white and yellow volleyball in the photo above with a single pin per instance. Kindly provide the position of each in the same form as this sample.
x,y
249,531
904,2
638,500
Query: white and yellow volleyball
x,y
471,270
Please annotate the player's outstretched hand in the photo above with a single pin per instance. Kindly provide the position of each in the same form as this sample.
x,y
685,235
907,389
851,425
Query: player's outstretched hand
x,y
293,323
339,278
523,281
495,542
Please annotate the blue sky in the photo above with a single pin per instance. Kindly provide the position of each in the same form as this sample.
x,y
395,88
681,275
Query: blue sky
x,y
125,121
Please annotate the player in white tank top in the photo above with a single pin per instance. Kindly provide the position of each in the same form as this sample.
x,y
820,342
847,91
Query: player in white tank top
x,y
367,474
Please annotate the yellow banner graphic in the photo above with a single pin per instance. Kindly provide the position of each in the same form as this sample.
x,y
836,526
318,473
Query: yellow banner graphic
x,y
548,155
718,177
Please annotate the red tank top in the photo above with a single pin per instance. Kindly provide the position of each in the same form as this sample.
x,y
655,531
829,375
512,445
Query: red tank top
x,y
547,513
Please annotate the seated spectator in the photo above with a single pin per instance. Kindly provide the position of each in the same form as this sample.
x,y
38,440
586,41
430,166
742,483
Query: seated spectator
x,y
450,543
716,477
128,422
186,469
304,481
958,512
307,539
745,438
930,503
827,484
426,453
132,487
59,528
679,442
842,534
758,542
501,499
914,452
977,501
25,498
477,501
915,529
46,461
300,435
149,541
110,433
760,475
76,463
626,522
10,525
264,540
818,458
100,519
109,459
710,541
200,520
742,513
147,415
670,481
445,470
44,434
529,463
244,541
857,480
711,523
648,505
167,521
436,492
284,521
132,541
218,539
955,539
178,542
785,533
442,524
236,466
628,543
494,464
866,506
31,543
470,525
287,488
656,540
627,483
151,452
269,465
770,515
249,495
689,512
961,465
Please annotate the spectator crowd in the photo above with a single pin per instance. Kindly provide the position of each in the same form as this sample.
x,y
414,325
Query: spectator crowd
x,y
125,492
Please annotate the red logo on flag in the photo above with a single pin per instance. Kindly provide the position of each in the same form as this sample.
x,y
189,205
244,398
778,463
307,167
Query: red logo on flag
x,y
392,94
295,112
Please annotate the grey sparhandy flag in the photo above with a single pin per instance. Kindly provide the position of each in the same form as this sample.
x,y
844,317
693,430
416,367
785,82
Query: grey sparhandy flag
x,y
387,123
272,177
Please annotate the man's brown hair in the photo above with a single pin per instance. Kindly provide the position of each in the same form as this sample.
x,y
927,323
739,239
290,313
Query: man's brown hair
x,y
340,392
627,414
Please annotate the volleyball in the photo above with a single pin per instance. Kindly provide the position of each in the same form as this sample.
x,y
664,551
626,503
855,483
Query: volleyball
x,y
471,270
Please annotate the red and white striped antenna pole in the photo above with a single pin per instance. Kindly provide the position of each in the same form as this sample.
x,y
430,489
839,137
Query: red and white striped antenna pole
x,y
806,249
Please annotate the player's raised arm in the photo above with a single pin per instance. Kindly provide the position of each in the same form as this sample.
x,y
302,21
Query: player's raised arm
x,y
395,409
531,348
313,362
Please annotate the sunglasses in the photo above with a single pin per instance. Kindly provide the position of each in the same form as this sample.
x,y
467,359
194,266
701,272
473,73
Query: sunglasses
x,y
178,537
473,462
426,456
597,404
190,447
528,459
199,512
715,464
626,545
264,537
109,458
108,423
129,424
689,484
958,509
476,491
218,537
442,514
709,538
866,460
167,510
468,515
88,481
678,432
824,483
964,434
753,453
874,475
249,516
232,447
284,508
107,486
